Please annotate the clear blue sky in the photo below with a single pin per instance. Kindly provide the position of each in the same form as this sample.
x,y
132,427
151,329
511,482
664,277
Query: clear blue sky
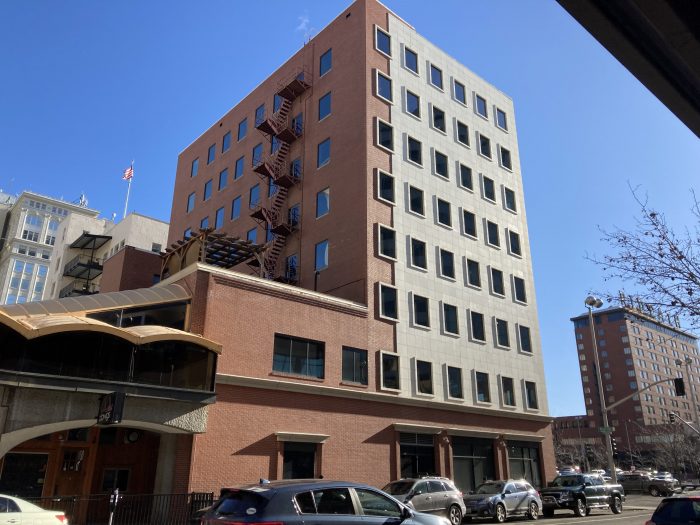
x,y
87,86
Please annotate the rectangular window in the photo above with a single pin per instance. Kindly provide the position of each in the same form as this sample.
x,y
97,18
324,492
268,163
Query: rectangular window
x,y
462,133
489,188
385,135
410,59
419,257
415,151
509,200
483,392
439,119
323,202
387,242
466,179
480,107
257,154
447,264
390,371
524,339
291,267
531,395
325,63
254,196
514,243
238,170
204,223
519,289
424,377
226,142
450,319
469,223
223,179
354,365
259,114
441,164
385,187
421,311
504,159
252,235
388,305
212,154
236,208
497,285
444,213
454,381
323,154
484,146
501,119
219,220
195,168
413,104
492,236
384,87
276,103
324,106
508,389
415,200
293,355
190,201
207,189
473,273
478,331
460,93
242,129
502,334
321,259
436,76
383,42
295,170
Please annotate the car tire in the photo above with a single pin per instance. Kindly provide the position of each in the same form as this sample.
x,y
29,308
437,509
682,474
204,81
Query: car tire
x,y
616,505
454,514
588,511
654,490
580,508
499,515
548,513
533,510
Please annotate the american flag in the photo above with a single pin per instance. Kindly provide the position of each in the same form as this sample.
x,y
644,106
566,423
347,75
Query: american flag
x,y
128,173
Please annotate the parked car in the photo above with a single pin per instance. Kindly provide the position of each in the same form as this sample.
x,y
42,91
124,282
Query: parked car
x,y
313,502
16,510
502,499
676,510
634,482
581,493
431,494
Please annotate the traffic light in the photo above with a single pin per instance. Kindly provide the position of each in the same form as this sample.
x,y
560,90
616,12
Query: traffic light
x,y
614,445
672,417
679,386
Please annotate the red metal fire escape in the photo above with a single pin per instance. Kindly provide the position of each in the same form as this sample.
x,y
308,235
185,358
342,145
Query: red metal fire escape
x,y
281,129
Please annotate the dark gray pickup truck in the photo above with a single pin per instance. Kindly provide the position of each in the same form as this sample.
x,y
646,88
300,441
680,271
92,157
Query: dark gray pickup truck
x,y
581,493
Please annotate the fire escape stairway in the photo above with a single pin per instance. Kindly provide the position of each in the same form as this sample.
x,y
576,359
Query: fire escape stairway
x,y
280,237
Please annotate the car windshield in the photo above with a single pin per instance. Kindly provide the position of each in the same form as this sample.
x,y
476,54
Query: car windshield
x,y
678,511
240,503
398,487
490,488
567,481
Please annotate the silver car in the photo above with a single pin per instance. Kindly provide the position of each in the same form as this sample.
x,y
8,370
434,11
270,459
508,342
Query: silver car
x,y
502,499
431,494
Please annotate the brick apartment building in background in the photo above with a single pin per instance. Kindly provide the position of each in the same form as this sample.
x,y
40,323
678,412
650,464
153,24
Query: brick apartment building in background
x,y
363,292
636,348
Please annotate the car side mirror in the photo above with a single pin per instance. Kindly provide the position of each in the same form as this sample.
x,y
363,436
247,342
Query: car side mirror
x,y
587,483
416,493
506,492
405,513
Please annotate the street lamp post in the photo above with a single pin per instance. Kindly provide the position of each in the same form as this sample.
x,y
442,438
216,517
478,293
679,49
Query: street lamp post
x,y
593,302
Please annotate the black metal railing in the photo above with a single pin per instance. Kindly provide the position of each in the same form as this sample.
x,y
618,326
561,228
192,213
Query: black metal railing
x,y
133,509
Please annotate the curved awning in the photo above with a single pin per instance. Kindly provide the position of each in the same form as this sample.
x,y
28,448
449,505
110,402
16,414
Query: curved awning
x,y
31,327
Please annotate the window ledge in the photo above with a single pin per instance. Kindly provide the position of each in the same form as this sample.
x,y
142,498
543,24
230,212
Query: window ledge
x,y
297,376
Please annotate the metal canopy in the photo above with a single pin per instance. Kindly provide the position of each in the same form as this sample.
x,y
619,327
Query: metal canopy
x,y
90,241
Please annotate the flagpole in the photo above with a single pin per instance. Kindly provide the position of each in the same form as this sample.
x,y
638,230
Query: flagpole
x,y
128,190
